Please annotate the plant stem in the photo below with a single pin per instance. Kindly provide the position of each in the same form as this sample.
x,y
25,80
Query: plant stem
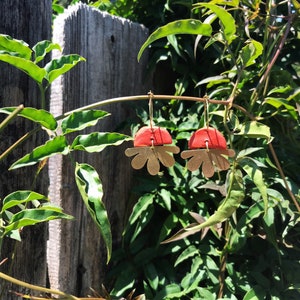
x,y
43,97
36,288
11,117
142,97
222,274
277,163
18,142
273,60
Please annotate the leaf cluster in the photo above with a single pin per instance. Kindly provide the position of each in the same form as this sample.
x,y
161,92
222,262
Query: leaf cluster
x,y
18,54
243,52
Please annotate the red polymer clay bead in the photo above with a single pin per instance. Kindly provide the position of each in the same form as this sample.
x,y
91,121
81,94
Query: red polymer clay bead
x,y
148,136
207,138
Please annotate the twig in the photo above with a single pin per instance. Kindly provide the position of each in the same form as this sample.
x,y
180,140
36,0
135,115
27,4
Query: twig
x,y
277,163
11,116
36,288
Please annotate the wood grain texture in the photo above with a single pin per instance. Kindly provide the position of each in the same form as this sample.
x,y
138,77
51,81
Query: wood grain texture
x,y
76,254
29,21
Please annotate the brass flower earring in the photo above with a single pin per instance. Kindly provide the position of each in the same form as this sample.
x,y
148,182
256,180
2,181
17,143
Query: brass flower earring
x,y
207,147
150,147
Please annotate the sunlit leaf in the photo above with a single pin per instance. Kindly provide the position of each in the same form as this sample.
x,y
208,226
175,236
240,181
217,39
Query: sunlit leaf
x,y
214,80
190,251
33,216
97,141
90,188
25,65
19,197
225,17
80,120
269,226
250,53
42,48
40,116
142,204
256,175
170,291
58,145
256,293
281,102
59,66
189,26
247,151
19,47
151,274
254,129
252,213
280,90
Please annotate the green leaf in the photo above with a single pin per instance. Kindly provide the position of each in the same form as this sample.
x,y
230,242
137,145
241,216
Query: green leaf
x,y
233,199
80,120
19,197
233,3
40,116
165,196
33,216
90,188
170,291
151,275
25,65
143,203
247,151
252,213
188,26
250,53
97,141
187,253
214,80
58,145
269,226
254,129
142,222
59,66
226,19
59,9
251,168
20,48
42,48
281,102
256,293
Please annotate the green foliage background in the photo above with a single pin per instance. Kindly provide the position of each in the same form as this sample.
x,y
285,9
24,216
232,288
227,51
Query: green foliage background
x,y
255,255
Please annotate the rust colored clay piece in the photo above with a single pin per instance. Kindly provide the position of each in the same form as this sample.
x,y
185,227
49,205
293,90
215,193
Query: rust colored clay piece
x,y
152,136
207,137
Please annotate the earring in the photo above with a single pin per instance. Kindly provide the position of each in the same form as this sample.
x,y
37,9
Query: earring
x,y
150,147
207,147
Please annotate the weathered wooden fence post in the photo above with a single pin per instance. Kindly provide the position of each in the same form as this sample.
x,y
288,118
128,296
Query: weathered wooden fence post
x,y
76,255
29,21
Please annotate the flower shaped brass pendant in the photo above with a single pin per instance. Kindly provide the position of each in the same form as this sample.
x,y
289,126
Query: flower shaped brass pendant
x,y
210,159
207,149
152,156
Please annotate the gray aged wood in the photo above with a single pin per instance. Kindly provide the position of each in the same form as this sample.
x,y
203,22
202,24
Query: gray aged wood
x,y
76,254
29,21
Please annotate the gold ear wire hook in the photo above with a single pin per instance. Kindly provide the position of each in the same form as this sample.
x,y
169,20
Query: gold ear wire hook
x,y
206,111
150,94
